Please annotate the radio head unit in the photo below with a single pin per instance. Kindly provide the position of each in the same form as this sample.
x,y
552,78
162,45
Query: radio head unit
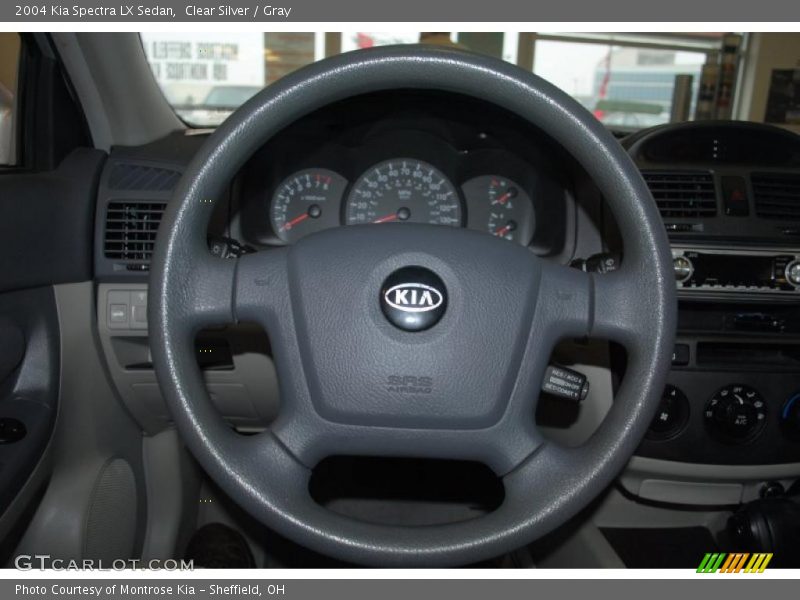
x,y
724,270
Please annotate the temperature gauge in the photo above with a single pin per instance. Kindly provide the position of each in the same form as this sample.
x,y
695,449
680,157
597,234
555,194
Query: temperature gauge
x,y
500,207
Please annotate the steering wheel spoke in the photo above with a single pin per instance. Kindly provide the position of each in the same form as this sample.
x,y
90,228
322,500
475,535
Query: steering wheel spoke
x,y
201,293
565,304
617,314
576,304
215,291
261,292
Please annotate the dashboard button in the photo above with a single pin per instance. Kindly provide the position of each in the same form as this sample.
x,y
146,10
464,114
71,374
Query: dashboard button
x,y
118,304
139,313
139,310
680,355
734,196
118,313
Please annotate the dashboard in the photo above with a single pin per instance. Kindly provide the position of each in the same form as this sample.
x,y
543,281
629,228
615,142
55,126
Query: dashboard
x,y
396,162
729,195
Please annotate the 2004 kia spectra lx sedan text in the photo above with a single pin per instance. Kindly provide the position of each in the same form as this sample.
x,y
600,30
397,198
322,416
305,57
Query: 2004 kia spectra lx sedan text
x,y
411,305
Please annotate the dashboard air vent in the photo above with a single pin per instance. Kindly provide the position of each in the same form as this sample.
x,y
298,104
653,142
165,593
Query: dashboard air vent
x,y
131,227
777,196
127,176
683,194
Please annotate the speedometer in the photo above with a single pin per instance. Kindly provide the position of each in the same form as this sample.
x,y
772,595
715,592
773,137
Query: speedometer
x,y
403,190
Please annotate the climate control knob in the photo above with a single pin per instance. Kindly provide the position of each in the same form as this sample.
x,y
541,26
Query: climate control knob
x,y
736,414
672,415
790,418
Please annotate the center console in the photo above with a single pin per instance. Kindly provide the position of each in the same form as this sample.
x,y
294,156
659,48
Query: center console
x,y
729,195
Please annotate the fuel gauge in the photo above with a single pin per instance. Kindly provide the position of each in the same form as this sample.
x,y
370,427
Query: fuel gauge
x,y
502,198
500,207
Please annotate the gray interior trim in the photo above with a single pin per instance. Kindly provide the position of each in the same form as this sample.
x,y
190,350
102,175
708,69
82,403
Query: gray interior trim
x,y
85,87
29,392
665,468
104,68
92,428
583,544
246,395
699,485
585,548
173,484
22,501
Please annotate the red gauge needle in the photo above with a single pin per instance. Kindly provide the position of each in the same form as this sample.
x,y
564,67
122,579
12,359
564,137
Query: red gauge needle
x,y
386,219
502,199
508,227
299,219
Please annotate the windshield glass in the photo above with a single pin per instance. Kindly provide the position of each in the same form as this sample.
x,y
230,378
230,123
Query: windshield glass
x,y
627,81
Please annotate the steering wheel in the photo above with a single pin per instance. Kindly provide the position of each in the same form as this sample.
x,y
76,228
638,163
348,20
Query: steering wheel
x,y
451,374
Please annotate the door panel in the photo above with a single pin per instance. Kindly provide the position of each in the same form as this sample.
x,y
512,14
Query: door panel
x,y
45,239
28,396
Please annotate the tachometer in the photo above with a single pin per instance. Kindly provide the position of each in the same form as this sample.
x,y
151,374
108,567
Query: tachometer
x,y
305,202
403,190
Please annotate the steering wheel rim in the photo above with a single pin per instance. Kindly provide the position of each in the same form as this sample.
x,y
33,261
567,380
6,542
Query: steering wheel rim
x,y
267,474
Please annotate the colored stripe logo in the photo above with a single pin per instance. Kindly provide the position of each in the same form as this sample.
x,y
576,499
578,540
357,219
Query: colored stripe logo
x,y
737,562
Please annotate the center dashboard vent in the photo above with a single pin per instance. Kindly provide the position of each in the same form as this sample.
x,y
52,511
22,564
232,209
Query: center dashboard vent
x,y
681,195
776,195
131,227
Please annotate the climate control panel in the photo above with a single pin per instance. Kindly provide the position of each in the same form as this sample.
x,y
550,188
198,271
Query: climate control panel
x,y
727,418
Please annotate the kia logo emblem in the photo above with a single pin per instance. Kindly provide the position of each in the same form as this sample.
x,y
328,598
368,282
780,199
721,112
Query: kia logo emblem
x,y
413,298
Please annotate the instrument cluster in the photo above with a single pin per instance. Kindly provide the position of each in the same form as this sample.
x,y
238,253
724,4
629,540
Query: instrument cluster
x,y
402,190
407,157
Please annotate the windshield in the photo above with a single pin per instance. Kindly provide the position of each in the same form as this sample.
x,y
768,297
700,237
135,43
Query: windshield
x,y
628,81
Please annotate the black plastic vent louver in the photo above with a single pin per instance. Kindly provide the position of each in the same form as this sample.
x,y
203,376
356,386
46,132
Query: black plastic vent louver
x,y
681,195
126,176
777,196
131,227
